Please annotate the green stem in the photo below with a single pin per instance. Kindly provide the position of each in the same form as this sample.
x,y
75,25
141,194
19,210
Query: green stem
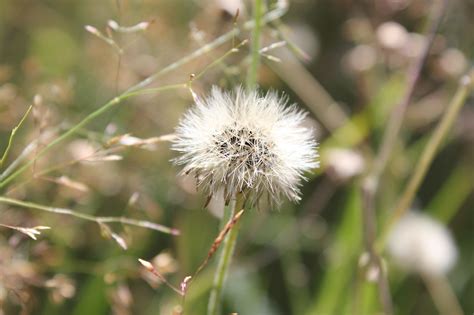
x,y
12,135
429,152
255,49
215,299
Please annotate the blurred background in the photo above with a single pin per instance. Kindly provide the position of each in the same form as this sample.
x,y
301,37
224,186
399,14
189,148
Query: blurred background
x,y
345,62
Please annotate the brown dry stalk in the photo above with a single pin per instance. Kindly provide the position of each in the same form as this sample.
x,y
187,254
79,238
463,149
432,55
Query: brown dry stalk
x,y
219,239
214,247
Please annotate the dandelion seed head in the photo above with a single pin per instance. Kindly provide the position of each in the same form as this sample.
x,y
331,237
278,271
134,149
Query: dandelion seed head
x,y
419,243
244,141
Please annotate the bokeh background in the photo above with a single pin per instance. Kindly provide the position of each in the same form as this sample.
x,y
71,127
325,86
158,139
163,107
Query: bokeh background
x,y
345,62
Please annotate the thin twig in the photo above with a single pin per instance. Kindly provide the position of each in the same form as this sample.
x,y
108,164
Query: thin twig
x,y
220,59
218,241
186,283
12,135
88,217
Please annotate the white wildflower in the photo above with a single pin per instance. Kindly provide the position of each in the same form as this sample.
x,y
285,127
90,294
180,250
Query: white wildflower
x,y
246,142
420,244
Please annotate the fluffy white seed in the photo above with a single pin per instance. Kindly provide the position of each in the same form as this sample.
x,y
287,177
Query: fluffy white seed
x,y
244,141
419,243
344,163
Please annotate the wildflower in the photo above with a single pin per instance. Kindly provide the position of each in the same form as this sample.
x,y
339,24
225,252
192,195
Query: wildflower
x,y
420,244
246,142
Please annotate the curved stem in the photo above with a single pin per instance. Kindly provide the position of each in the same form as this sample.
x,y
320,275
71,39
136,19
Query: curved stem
x,y
88,217
12,135
215,299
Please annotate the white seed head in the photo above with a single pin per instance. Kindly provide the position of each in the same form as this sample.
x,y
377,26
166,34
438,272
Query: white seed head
x,y
392,35
344,163
244,141
419,243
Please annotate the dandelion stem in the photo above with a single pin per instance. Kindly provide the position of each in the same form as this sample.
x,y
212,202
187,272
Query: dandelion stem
x,y
215,299
255,48
88,217
429,152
